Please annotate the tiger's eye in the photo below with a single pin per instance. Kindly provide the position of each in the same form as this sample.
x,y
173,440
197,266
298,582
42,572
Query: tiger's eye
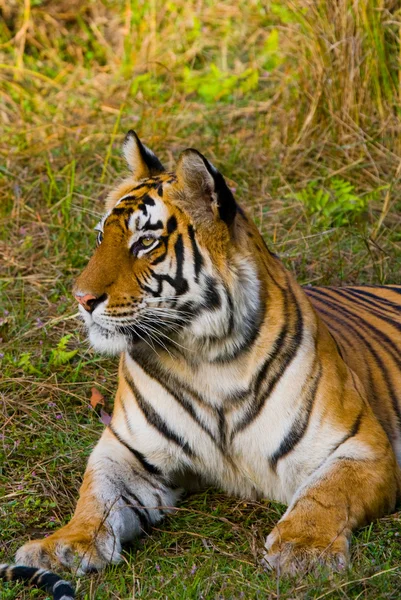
x,y
99,238
147,241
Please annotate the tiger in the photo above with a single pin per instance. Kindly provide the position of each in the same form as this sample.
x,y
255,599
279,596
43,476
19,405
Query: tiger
x,y
230,375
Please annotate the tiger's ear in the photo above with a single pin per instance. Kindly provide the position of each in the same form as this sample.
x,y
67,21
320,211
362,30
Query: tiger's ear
x,y
140,160
205,190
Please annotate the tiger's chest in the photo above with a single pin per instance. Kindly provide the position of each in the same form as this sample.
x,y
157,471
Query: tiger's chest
x,y
213,428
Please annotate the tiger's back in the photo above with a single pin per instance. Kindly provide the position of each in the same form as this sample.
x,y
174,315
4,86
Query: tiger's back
x,y
365,322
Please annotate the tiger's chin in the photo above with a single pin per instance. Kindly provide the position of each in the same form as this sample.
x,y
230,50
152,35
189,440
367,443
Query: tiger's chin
x,y
107,342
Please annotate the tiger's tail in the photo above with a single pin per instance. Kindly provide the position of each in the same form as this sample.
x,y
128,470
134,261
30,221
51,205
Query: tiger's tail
x,y
46,580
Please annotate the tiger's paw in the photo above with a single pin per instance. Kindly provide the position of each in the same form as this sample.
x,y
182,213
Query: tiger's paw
x,y
79,553
292,556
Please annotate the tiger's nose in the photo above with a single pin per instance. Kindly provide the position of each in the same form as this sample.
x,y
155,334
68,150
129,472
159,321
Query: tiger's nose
x,y
89,301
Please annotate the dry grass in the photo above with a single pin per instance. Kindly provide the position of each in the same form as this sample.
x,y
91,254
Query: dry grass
x,y
286,98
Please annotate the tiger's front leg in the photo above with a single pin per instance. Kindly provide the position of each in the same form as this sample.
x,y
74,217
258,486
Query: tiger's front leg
x,y
359,482
121,496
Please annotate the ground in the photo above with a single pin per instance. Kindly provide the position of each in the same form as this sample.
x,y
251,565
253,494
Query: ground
x,y
298,104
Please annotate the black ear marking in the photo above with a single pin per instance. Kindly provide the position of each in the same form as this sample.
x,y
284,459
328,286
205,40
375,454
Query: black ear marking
x,y
201,177
227,205
140,159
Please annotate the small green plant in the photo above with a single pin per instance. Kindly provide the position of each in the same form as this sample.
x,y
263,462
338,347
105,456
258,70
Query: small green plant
x,y
26,365
60,355
334,205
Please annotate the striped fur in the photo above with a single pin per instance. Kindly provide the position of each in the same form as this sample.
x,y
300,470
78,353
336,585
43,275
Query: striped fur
x,y
230,374
366,324
46,580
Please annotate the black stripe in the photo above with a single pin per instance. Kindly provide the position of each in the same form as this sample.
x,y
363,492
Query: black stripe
x,y
148,200
159,259
358,301
252,325
141,286
251,319
386,343
63,591
369,303
152,469
34,576
140,504
393,288
300,423
159,501
354,431
144,525
154,418
154,293
152,226
273,355
277,344
142,206
148,363
345,340
129,200
179,283
143,519
147,185
369,306
197,256
376,357
222,428
130,497
337,345
364,292
24,573
163,240
284,350
294,340
120,210
340,334
173,387
171,224
210,298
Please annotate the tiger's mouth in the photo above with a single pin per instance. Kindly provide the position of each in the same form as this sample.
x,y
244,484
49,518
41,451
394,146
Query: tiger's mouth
x,y
113,335
156,323
106,341
104,337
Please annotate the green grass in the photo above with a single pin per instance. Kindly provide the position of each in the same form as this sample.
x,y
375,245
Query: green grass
x,y
298,104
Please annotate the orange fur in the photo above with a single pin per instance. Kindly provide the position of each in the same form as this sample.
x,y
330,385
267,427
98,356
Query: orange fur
x,y
335,464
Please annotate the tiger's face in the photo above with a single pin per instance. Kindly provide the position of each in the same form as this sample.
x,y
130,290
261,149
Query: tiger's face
x,y
164,267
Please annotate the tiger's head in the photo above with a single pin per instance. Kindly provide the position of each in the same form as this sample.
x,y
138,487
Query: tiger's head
x,y
173,263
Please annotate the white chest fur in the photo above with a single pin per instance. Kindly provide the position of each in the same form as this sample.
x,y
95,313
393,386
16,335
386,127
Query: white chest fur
x,y
194,431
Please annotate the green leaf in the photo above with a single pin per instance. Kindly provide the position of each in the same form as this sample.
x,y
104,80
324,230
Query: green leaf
x,y
25,363
335,204
60,355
